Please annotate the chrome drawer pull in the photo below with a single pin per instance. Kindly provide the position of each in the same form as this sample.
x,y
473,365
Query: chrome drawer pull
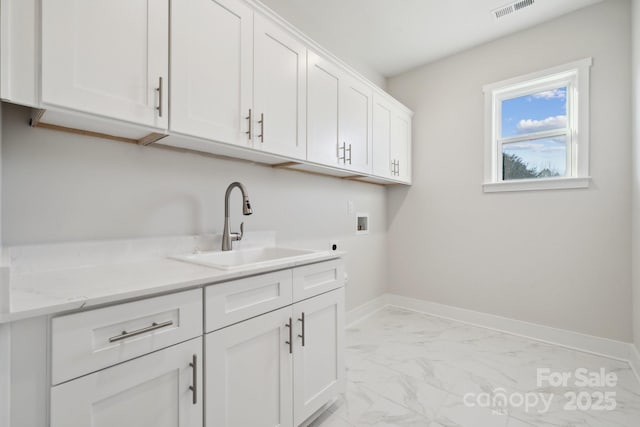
x,y
153,327
301,319
250,120
261,122
194,379
290,342
159,89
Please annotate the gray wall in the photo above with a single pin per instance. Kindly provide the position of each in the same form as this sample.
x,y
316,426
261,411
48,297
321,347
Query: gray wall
x,y
635,260
559,258
61,187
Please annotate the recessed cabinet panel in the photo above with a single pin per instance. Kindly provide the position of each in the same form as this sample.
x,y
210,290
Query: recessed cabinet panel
x,y
279,91
315,279
401,146
108,58
211,69
381,136
249,370
355,125
151,391
391,139
232,302
319,371
323,98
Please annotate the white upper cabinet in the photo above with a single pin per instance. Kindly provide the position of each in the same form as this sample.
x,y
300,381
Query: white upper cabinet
x,y
391,139
323,97
107,58
381,136
212,69
354,144
400,151
243,84
279,90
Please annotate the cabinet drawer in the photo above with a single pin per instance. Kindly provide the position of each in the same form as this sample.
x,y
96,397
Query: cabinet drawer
x,y
86,342
234,301
318,278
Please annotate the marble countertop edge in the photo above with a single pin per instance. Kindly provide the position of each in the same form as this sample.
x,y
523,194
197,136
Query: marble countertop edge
x,y
54,292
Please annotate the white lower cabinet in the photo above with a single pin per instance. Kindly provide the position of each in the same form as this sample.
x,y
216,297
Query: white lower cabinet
x,y
161,389
318,363
272,355
279,368
248,377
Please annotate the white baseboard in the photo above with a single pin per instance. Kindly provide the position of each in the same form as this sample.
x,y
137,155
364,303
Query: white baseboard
x,y
605,347
365,310
634,360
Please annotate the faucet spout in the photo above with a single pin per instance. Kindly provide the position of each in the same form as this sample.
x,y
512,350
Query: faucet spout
x,y
227,236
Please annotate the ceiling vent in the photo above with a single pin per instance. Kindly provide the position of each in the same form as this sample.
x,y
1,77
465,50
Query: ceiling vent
x,y
511,8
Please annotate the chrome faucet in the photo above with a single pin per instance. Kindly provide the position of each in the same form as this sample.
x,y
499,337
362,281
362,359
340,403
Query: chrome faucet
x,y
227,235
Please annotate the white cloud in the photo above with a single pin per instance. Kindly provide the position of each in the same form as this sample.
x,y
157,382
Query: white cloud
x,y
554,122
559,93
532,146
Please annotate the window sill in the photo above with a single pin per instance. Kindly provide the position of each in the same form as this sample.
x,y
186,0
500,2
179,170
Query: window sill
x,y
537,184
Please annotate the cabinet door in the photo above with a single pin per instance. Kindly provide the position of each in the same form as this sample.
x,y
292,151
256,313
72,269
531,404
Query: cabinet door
x,y
319,372
323,95
381,136
211,69
401,145
355,124
279,90
156,390
108,58
248,376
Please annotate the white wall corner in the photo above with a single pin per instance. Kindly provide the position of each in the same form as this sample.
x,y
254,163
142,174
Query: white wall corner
x,y
635,179
363,311
599,346
634,360
5,374
574,340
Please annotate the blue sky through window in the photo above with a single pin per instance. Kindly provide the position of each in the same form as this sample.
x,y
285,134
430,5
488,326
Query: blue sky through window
x,y
542,111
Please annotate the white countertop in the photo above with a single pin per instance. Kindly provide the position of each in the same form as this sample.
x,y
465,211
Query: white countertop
x,y
35,293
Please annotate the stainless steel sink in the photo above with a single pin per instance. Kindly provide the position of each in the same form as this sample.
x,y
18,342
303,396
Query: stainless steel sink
x,y
230,260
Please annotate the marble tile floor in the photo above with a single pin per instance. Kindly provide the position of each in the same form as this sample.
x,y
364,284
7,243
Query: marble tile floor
x,y
410,369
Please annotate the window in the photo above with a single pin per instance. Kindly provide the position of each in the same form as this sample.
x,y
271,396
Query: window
x,y
537,130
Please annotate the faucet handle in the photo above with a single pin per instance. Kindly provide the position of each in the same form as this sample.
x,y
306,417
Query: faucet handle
x,y
241,230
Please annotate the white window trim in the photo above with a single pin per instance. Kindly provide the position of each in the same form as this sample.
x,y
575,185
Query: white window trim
x,y
577,76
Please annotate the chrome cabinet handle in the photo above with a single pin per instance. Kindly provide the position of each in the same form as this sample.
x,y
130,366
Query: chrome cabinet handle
x,y
344,153
349,153
194,379
301,319
395,170
159,90
154,326
261,121
250,120
290,342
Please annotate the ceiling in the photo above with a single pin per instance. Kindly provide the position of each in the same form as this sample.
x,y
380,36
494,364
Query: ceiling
x,y
389,37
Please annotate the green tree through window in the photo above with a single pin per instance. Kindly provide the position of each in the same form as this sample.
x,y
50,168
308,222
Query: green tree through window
x,y
513,167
